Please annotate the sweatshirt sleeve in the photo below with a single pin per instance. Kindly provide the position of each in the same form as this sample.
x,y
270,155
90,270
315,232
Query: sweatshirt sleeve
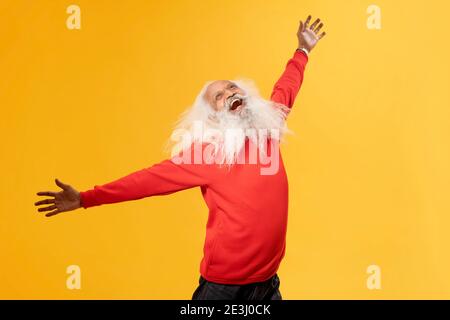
x,y
287,87
159,179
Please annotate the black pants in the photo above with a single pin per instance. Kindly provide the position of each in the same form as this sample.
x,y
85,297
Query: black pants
x,y
267,290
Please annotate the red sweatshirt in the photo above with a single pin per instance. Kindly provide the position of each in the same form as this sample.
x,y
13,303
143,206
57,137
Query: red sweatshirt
x,y
246,228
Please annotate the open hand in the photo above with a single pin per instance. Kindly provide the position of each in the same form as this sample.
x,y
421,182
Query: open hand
x,y
308,35
65,200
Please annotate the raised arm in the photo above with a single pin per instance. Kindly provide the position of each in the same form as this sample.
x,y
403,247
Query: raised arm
x,y
288,85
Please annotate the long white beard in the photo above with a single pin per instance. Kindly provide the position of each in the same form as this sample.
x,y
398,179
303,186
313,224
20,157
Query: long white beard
x,y
258,120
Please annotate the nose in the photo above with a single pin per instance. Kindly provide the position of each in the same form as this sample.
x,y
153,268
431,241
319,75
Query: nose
x,y
230,94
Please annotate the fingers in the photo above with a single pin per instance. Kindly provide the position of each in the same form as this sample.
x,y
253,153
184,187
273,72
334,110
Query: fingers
x,y
314,24
301,28
308,20
45,201
47,193
318,28
47,208
52,201
61,185
52,213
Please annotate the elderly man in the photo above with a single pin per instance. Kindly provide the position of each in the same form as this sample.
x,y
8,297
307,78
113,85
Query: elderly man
x,y
215,150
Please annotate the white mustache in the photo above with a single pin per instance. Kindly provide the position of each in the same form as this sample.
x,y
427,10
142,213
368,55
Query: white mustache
x,y
229,102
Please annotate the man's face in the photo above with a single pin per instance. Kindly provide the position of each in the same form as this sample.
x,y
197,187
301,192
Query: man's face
x,y
222,94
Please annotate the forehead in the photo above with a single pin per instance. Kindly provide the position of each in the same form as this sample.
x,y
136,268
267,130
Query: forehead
x,y
216,86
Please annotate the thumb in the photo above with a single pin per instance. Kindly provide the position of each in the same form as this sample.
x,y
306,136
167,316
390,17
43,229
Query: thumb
x,y
61,185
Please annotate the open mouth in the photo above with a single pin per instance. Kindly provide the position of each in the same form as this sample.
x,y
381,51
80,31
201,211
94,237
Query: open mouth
x,y
235,104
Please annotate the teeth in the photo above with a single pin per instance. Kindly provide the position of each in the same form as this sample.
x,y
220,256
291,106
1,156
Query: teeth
x,y
232,101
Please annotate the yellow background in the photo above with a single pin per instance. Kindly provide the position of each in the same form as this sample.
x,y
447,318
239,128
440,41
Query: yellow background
x,y
368,167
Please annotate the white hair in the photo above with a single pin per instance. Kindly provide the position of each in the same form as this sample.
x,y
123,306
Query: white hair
x,y
226,130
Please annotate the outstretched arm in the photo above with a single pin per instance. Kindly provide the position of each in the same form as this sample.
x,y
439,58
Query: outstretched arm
x,y
287,87
163,178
